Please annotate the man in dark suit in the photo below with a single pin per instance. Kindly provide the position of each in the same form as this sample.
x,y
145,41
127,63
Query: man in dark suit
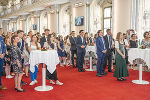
x,y
101,52
81,44
108,45
2,54
44,38
73,46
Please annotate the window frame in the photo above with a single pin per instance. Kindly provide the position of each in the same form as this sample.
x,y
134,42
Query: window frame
x,y
107,18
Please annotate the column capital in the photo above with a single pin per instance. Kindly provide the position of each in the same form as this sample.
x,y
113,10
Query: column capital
x,y
87,4
57,11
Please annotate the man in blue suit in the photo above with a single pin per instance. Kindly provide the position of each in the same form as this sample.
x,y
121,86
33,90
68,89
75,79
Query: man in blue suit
x,y
81,44
2,54
101,52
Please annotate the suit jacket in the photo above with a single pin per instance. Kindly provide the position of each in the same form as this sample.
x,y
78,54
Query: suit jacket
x,y
2,45
73,43
80,43
100,46
21,45
109,50
42,41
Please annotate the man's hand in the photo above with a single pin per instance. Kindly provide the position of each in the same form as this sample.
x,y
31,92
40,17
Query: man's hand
x,y
2,56
82,46
104,51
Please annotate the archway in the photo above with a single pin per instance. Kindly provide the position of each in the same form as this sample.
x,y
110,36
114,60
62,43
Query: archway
x,y
65,20
43,21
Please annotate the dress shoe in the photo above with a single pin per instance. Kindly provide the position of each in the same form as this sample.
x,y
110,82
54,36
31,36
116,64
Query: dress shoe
x,y
123,79
103,73
23,83
16,89
74,66
20,90
99,75
110,71
83,70
120,79
79,70
3,88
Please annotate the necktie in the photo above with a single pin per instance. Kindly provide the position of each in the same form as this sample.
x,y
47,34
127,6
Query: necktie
x,y
103,42
109,41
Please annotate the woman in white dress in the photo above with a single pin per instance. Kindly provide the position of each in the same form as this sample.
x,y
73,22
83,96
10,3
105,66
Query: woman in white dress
x,y
51,45
34,45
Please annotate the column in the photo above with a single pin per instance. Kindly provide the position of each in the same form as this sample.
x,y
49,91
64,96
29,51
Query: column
x,y
25,26
15,26
0,23
57,18
48,20
38,23
121,16
88,17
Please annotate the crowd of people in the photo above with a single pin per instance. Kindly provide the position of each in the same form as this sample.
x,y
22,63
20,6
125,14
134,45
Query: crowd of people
x,y
15,51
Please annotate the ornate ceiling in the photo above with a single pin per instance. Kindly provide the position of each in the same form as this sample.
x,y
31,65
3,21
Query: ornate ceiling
x,y
3,2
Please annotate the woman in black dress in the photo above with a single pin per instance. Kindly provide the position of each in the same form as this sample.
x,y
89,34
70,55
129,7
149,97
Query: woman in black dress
x,y
51,45
8,57
16,58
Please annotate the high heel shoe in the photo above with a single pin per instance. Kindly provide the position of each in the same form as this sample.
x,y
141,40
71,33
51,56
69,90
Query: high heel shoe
x,y
120,79
20,90
16,89
123,79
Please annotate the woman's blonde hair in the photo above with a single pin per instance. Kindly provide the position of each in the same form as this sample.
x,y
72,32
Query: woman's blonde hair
x,y
118,36
6,39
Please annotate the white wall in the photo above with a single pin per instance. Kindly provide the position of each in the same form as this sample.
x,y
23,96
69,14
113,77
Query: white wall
x,y
121,16
80,11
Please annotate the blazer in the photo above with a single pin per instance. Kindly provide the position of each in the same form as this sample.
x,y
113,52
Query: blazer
x,y
80,43
21,45
2,45
42,41
73,43
100,45
109,50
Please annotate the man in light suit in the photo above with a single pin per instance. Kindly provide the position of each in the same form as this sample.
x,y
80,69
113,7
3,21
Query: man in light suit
x,y
81,45
101,52
44,38
2,54
108,45
73,48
